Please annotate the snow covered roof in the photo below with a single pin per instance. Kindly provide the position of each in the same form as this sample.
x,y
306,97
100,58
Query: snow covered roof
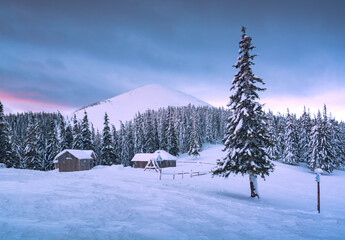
x,y
148,156
80,154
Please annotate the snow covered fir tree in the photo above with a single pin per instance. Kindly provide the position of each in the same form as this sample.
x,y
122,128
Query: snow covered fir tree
x,y
246,138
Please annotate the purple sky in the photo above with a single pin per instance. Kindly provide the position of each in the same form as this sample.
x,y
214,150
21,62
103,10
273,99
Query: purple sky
x,y
62,55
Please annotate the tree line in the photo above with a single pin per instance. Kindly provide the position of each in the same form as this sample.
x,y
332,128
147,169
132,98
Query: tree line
x,y
319,142
32,140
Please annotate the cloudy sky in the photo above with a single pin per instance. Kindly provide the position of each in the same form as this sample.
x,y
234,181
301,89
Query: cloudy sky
x,y
67,54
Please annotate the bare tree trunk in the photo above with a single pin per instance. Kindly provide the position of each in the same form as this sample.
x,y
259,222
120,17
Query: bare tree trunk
x,y
253,186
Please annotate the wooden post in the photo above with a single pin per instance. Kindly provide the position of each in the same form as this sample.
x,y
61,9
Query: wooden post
x,y
160,174
318,171
318,196
191,173
182,173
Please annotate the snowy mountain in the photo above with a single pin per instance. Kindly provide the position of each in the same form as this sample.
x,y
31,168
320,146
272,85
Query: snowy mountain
x,y
124,107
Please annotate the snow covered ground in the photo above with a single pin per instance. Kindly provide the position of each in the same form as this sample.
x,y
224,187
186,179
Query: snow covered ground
x,y
125,203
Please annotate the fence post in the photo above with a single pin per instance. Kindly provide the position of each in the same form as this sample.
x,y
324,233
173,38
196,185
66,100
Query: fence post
x,y
182,174
160,174
191,173
318,171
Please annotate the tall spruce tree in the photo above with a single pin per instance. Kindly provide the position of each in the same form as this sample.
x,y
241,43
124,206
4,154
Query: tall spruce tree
x,y
320,150
52,146
77,136
172,146
304,133
149,137
5,145
62,133
290,155
194,139
139,143
246,138
107,153
115,140
33,146
86,133
69,137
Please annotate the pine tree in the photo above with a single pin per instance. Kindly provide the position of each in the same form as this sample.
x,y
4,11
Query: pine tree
x,y
69,137
337,141
304,133
139,142
127,144
62,134
5,145
77,135
98,148
107,153
209,127
194,141
172,146
149,137
52,147
86,133
33,147
116,144
291,143
163,140
320,149
246,138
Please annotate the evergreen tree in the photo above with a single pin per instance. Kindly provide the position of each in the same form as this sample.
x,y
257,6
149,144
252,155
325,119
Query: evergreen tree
x,y
139,142
98,148
127,144
62,134
69,137
291,144
116,144
86,133
5,145
320,150
107,153
149,134
52,147
194,141
304,133
209,127
273,133
172,146
77,135
246,138
163,140
32,152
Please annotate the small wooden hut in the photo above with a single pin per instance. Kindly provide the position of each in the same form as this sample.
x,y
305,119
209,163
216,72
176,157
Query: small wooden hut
x,y
70,160
163,159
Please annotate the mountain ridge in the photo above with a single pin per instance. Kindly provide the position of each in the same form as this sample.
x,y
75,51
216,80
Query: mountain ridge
x,y
123,107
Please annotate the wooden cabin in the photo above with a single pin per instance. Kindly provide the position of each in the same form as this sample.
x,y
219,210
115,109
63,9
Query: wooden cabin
x,y
70,160
163,158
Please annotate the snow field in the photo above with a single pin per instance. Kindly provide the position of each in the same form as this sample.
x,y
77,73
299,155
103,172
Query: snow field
x,y
125,203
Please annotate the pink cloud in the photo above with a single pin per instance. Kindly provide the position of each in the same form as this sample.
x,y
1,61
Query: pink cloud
x,y
24,101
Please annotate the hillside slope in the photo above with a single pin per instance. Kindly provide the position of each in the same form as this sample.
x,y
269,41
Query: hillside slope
x,y
124,107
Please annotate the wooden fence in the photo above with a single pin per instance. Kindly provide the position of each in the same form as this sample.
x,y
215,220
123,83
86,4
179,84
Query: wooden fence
x,y
182,173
